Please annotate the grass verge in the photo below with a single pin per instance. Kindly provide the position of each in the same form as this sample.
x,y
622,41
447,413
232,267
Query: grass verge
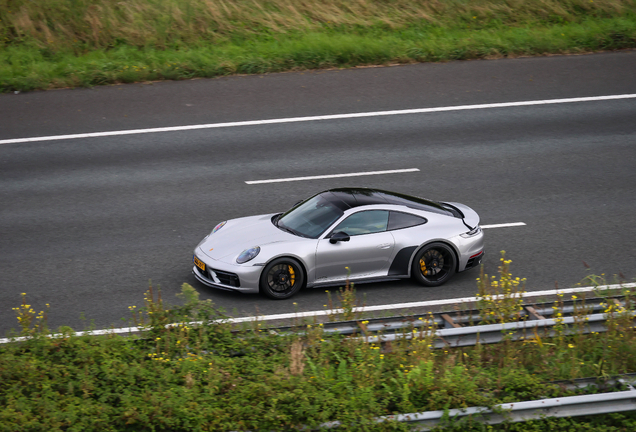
x,y
94,42
211,377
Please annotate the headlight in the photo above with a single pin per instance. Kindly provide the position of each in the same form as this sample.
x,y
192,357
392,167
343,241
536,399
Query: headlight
x,y
248,254
472,232
218,227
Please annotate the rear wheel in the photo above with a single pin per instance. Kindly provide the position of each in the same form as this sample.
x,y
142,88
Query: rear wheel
x,y
282,278
434,264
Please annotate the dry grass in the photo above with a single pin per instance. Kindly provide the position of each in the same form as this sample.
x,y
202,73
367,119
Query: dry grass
x,y
62,43
89,24
297,358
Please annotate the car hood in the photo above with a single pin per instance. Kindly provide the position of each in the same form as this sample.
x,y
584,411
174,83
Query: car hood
x,y
240,234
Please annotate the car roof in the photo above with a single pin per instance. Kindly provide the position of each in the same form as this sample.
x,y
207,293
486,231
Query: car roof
x,y
346,198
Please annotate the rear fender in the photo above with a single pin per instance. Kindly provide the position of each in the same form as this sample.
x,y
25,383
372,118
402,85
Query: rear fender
x,y
452,246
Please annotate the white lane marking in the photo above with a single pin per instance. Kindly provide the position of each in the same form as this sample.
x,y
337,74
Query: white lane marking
x,y
424,304
503,225
357,174
394,306
317,118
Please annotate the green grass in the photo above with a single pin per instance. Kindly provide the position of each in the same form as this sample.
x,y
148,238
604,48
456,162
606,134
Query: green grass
x,y
49,44
191,378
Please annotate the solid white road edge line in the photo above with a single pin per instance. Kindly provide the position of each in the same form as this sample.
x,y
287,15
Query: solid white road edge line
x,y
362,309
357,174
503,225
317,118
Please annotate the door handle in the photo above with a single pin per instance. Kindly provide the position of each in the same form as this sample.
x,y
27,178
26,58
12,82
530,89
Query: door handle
x,y
384,246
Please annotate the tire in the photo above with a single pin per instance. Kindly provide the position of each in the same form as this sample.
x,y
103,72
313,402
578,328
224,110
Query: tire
x,y
434,264
282,278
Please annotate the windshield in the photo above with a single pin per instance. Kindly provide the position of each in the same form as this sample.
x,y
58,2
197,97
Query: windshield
x,y
311,218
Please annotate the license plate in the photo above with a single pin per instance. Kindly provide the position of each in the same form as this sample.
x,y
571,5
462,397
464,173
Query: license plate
x,y
198,263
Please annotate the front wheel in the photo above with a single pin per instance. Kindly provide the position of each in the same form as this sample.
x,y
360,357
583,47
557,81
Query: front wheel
x,y
282,278
434,264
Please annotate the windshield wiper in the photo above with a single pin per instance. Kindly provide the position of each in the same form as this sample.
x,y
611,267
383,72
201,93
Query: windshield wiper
x,y
289,230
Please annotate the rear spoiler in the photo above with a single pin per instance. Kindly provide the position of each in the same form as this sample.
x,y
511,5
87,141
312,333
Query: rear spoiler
x,y
468,215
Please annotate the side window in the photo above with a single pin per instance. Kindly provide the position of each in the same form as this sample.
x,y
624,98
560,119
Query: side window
x,y
399,220
364,222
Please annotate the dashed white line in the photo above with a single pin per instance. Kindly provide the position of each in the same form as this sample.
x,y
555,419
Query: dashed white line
x,y
318,118
328,176
503,225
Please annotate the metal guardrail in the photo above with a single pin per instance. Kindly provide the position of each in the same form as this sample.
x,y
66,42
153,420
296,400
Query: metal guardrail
x,y
457,329
569,406
614,382
452,329
495,333
459,318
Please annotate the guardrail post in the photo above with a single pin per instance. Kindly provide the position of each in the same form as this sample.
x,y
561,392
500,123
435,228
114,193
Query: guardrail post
x,y
448,321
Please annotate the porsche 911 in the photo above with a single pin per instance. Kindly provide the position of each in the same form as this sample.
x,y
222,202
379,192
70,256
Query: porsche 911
x,y
355,234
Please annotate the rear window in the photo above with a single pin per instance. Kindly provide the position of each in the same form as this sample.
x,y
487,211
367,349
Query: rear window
x,y
399,220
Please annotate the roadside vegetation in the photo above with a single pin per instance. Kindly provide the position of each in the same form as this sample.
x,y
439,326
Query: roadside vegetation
x,y
60,43
215,376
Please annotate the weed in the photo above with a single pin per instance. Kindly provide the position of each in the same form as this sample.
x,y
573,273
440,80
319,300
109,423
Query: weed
x,y
348,299
349,307
31,323
500,300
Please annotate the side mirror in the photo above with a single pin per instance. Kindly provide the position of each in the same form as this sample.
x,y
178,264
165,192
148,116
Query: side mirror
x,y
339,236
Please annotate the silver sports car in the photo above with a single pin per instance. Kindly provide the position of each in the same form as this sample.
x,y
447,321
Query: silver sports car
x,y
365,235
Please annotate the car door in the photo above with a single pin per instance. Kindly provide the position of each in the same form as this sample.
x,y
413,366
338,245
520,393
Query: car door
x,y
368,252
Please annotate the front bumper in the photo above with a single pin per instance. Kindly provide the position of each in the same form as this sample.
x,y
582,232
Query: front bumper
x,y
217,274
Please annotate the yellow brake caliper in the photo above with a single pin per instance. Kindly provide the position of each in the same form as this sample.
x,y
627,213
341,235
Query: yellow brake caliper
x,y
423,267
292,275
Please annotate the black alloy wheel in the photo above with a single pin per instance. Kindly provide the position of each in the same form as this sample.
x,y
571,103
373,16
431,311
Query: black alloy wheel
x,y
434,264
282,278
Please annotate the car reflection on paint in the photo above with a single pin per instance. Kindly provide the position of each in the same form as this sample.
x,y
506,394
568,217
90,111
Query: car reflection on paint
x,y
364,235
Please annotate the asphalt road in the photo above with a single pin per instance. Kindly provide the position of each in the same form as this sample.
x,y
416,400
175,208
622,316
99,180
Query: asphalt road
x,y
86,223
